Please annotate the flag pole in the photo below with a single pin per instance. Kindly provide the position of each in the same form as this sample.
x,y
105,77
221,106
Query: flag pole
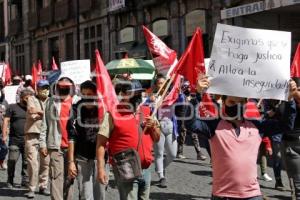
x,y
161,99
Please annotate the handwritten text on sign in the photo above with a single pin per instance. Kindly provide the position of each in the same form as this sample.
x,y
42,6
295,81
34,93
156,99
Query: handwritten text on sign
x,y
250,63
77,70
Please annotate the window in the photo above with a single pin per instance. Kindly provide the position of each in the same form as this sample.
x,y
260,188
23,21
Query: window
x,y
39,4
86,50
39,50
53,49
92,32
92,41
86,33
99,30
1,22
20,58
69,46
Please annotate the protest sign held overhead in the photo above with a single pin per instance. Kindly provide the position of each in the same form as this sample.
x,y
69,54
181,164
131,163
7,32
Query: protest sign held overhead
x,y
250,63
11,93
77,70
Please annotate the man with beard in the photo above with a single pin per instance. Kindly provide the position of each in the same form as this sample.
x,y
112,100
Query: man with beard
x,y
83,127
122,129
234,145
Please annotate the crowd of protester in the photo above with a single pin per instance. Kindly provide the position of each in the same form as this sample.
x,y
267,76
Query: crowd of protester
x,y
55,129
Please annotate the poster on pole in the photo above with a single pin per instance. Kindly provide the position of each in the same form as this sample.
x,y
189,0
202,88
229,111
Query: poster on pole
x,y
77,70
11,93
250,63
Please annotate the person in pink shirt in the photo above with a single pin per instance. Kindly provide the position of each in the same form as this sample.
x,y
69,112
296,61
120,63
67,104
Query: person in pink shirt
x,y
235,142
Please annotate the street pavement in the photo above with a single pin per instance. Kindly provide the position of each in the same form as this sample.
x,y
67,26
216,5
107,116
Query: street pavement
x,y
188,179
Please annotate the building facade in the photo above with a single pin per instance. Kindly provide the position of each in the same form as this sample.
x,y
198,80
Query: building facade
x,y
283,15
4,42
42,29
73,29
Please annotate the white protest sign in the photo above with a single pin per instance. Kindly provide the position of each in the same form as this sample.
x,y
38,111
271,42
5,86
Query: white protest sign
x,y
11,93
251,63
77,70
1,68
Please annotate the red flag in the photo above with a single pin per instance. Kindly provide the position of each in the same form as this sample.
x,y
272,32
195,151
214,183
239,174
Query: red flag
x,y
173,95
251,111
34,74
163,57
295,68
6,74
54,65
104,86
39,70
191,64
164,60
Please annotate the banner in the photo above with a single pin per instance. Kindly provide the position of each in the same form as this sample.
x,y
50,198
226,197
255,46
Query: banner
x,y
250,63
77,70
11,93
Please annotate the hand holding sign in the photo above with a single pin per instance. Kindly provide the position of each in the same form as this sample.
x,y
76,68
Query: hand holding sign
x,y
202,83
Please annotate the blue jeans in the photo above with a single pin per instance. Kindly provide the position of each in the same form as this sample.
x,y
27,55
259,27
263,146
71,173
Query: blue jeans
x,y
228,198
136,190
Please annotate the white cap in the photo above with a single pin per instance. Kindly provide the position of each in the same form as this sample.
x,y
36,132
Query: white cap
x,y
28,77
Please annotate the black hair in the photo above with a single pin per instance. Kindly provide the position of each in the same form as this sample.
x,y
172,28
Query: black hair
x,y
159,76
89,85
123,86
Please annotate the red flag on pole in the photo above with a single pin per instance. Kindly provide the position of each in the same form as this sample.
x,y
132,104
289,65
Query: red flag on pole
x,y
39,70
34,74
6,74
191,65
163,57
104,86
295,68
54,65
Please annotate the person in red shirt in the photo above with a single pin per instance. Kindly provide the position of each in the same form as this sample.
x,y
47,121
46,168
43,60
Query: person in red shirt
x,y
122,129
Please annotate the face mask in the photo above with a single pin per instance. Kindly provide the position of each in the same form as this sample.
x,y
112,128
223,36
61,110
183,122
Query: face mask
x,y
64,91
186,93
135,101
234,112
23,103
89,103
43,93
28,82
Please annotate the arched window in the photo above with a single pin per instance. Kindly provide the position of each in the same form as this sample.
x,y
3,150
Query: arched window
x,y
160,28
195,19
126,35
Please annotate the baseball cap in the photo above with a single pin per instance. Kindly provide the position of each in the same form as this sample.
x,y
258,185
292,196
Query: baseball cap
x,y
42,83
